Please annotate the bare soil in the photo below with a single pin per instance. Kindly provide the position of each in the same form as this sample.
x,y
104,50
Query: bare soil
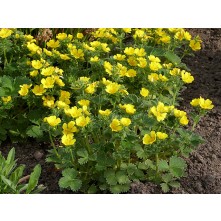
x,y
204,165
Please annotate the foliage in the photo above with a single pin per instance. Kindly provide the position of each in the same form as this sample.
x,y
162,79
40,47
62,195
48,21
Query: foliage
x,y
110,99
11,176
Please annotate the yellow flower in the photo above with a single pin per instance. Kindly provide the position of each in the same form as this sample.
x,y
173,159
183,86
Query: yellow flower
x,y
82,121
33,73
84,102
162,77
195,45
38,90
61,36
84,79
187,36
5,32
33,47
179,113
175,71
125,121
149,138
68,139
184,120
195,102
155,66
73,112
132,61
159,111
36,64
129,108
112,88
69,128
52,120
64,95
48,101
64,57
142,62
108,67
47,71
161,135
204,104
152,58
6,99
129,51
94,59
131,73
58,81
48,82
115,125
165,39
62,105
144,92
53,44
122,69
80,35
153,77
106,112
127,30
187,77
77,53
47,52
140,52
91,88
24,89
119,57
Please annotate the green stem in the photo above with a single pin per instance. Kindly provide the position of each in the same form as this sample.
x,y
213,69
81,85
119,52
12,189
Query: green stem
x,y
87,144
53,145
157,162
5,57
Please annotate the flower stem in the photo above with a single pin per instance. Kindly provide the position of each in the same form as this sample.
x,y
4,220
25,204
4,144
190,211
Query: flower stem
x,y
53,145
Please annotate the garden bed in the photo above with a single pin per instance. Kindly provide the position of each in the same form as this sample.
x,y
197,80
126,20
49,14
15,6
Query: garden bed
x,y
204,165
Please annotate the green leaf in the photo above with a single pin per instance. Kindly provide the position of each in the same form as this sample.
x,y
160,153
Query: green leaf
x,y
122,177
164,187
150,164
163,165
167,177
110,177
8,183
172,57
174,184
2,92
34,131
84,156
141,154
7,82
119,188
177,166
34,177
11,156
142,166
75,185
69,173
131,168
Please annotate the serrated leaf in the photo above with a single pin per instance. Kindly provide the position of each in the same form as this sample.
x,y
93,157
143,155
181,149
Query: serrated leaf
x,y
119,188
2,92
110,177
34,177
131,168
69,173
122,177
164,187
142,166
75,185
177,166
167,177
7,82
34,131
163,165
141,154
150,164
84,156
64,182
174,184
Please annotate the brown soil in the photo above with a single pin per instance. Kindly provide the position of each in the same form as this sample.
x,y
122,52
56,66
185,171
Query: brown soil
x,y
204,164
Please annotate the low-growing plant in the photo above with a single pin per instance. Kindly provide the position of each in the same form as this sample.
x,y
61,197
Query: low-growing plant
x,y
110,101
12,179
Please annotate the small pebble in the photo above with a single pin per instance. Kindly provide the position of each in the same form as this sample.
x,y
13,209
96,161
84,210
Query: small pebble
x,y
38,155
